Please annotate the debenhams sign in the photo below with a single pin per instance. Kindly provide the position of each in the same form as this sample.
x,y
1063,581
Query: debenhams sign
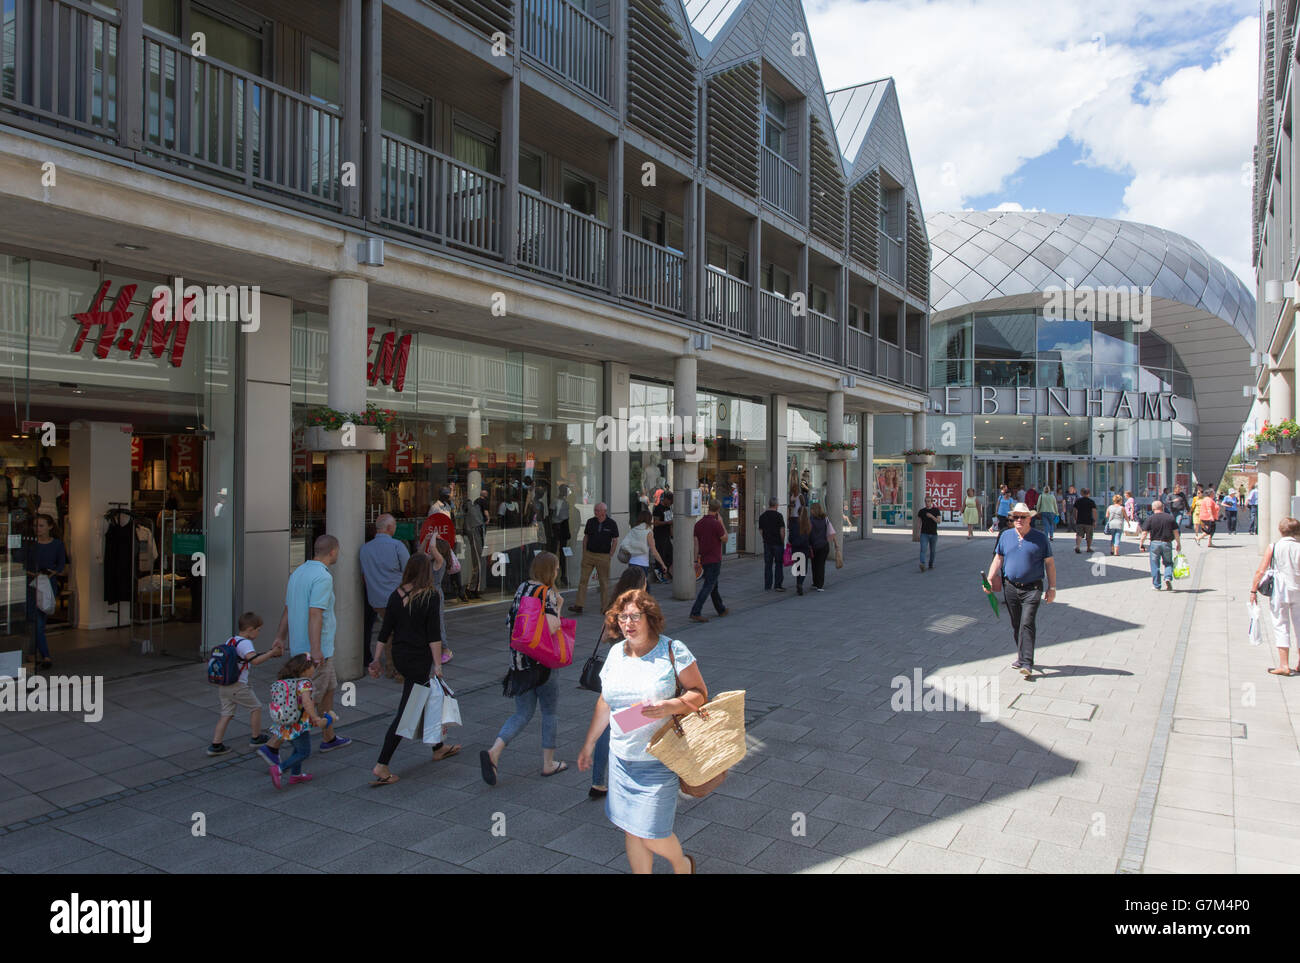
x,y
1071,402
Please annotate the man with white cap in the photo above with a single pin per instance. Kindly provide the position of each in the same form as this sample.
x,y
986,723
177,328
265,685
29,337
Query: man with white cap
x,y
1022,562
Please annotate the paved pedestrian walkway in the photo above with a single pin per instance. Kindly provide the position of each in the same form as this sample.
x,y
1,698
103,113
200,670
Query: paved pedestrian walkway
x,y
1061,777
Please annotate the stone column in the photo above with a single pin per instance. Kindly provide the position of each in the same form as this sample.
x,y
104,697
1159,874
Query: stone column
x,y
868,474
345,472
1281,468
686,479
835,469
918,471
778,420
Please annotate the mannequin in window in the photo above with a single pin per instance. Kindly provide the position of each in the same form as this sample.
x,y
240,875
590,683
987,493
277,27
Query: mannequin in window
x,y
48,488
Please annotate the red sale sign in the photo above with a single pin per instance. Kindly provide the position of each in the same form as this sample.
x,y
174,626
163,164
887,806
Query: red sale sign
x,y
945,488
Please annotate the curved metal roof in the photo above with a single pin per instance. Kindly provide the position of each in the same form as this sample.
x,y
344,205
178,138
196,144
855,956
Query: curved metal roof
x,y
1005,259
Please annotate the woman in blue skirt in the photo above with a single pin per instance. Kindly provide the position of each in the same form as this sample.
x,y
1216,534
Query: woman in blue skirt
x,y
639,672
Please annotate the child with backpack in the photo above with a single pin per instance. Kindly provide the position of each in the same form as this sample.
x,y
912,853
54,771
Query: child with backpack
x,y
294,713
228,669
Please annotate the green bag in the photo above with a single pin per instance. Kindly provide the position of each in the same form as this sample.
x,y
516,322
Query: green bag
x,y
1181,568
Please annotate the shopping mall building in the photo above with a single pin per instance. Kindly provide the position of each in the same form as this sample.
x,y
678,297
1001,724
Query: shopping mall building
x,y
1069,350
502,219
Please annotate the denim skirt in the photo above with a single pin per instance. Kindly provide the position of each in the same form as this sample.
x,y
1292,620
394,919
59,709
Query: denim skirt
x,y
642,797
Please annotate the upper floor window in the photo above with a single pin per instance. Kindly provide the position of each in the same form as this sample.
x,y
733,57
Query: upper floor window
x,y
776,281
474,146
774,123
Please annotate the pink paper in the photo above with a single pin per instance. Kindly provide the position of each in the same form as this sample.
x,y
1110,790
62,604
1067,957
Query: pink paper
x,y
632,718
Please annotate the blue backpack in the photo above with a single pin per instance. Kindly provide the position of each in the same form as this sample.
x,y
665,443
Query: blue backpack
x,y
225,665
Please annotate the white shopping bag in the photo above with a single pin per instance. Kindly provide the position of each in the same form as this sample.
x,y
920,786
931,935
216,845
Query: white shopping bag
x,y
433,714
450,707
1255,633
45,600
415,704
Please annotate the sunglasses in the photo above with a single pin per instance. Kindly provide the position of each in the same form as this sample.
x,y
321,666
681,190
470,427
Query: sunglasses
x,y
1019,518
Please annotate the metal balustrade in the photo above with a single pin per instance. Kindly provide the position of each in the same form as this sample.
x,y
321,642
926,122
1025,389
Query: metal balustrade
x,y
777,322
782,184
570,42
823,336
654,274
555,239
726,302
438,197
889,363
59,65
859,350
203,113
913,370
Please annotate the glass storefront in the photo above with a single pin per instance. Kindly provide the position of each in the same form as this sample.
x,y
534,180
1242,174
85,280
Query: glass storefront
x,y
118,424
807,473
520,427
1023,350
734,467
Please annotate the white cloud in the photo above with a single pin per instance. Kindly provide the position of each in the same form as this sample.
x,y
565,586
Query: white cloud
x,y
986,85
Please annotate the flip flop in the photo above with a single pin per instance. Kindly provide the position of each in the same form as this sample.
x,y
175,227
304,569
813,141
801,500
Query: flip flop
x,y
1280,672
447,752
559,767
385,781
485,766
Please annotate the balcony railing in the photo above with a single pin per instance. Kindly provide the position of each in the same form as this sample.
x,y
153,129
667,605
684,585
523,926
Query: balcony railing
x,y
913,370
203,113
823,336
557,240
439,198
858,350
891,257
726,302
568,41
59,65
654,274
889,363
777,322
781,183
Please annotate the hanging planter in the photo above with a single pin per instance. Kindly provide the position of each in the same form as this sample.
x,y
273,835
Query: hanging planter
x,y
325,431
919,456
835,450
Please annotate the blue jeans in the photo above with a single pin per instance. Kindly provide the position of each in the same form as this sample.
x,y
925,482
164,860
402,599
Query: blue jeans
x,y
600,760
773,570
301,746
1049,523
37,618
1116,538
931,542
548,694
1254,519
1161,554
708,588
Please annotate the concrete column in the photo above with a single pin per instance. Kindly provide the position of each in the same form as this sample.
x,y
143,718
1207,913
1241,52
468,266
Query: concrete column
x,y
918,471
617,490
1281,468
345,472
372,71
868,449
835,469
1261,480
351,70
266,423
686,479
777,406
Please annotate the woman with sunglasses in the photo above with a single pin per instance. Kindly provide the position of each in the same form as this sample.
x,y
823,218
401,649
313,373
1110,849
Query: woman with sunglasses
x,y
642,676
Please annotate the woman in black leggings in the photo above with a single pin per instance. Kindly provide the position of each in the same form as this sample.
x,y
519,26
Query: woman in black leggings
x,y
412,619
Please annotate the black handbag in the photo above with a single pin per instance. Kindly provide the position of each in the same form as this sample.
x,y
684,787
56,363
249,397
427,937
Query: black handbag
x,y
1265,587
519,681
591,668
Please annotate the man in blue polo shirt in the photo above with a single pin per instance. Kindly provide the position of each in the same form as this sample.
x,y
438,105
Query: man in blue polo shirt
x,y
1021,563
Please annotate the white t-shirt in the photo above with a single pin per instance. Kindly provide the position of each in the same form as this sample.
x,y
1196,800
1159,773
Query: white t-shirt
x,y
246,650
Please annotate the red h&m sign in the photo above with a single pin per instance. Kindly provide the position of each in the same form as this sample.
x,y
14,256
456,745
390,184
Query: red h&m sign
x,y
945,488
391,356
156,330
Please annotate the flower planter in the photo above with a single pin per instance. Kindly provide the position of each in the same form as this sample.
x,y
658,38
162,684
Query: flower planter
x,y
835,455
920,459
367,438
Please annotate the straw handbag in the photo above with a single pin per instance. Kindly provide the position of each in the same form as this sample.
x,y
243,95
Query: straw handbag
x,y
702,745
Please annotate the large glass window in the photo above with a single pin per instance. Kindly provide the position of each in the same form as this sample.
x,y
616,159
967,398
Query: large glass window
x,y
230,44
1064,374
1063,436
1004,374
520,427
1114,438
1004,336
1115,377
1114,343
1064,340
1004,433
950,351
